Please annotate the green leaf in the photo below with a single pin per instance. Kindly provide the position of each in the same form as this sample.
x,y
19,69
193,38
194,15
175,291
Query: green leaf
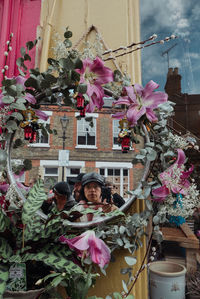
x,y
20,61
78,64
67,43
130,260
68,34
5,249
75,76
19,106
17,115
29,45
27,57
117,295
82,88
31,82
4,274
23,51
124,286
11,125
34,201
66,63
8,99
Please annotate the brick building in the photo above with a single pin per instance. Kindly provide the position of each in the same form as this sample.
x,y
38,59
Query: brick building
x,y
187,108
90,148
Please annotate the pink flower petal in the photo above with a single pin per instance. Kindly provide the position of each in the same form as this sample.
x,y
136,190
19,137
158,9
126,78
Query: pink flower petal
x,y
42,115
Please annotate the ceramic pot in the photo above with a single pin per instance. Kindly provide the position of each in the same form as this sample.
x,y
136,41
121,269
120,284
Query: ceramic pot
x,y
167,280
32,294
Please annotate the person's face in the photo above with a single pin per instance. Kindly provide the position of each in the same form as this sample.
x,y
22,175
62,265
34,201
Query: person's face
x,y
92,192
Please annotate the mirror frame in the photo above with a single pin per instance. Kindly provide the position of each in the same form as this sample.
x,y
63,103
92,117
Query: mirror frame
x,y
72,224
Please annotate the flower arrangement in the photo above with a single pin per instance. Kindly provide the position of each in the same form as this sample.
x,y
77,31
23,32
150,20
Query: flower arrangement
x,y
68,256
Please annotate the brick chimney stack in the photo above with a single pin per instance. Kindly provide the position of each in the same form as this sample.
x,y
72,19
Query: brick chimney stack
x,y
173,84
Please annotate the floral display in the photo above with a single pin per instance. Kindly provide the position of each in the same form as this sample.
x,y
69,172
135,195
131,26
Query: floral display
x,y
68,256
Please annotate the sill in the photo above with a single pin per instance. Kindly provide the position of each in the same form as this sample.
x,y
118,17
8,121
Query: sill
x,y
86,146
39,145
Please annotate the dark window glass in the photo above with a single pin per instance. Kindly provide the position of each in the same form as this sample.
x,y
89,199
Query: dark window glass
x,y
102,171
117,172
110,171
125,172
75,170
51,170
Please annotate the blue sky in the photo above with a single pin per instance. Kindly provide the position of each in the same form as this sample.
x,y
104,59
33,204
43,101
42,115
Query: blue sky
x,y
166,17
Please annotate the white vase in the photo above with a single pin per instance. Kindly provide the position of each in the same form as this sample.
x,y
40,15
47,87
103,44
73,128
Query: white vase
x,y
167,280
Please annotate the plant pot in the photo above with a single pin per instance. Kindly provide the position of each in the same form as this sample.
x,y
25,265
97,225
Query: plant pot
x,y
32,294
167,280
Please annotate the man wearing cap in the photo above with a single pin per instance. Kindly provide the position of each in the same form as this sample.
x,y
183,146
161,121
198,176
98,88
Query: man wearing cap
x,y
91,195
62,198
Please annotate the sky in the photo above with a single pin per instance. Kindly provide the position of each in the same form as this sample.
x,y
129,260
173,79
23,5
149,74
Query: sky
x,y
164,18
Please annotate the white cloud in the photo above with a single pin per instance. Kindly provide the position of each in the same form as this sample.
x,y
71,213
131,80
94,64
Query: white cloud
x,y
167,15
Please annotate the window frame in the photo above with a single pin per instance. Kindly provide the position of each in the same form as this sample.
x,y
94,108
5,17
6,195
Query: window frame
x,y
94,116
42,144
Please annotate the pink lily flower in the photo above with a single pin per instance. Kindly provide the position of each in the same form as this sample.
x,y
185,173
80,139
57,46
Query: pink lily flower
x,y
95,74
87,244
140,101
171,181
42,115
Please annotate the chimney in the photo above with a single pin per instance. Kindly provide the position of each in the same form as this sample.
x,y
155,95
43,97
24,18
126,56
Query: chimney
x,y
173,84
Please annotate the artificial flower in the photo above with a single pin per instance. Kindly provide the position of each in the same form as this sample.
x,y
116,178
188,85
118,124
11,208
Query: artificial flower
x,y
87,244
140,101
95,74
173,179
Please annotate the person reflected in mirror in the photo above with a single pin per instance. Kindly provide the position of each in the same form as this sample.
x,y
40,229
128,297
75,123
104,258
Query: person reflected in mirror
x,y
91,196
111,196
77,187
60,198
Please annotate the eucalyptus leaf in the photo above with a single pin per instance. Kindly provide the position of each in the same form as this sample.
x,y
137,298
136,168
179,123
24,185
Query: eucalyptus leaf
x,y
124,286
130,260
11,125
19,106
8,99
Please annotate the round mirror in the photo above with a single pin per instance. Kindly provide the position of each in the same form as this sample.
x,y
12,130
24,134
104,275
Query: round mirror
x,y
91,223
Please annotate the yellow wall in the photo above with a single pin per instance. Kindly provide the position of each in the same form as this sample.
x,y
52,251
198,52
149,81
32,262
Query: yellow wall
x,y
116,20
118,23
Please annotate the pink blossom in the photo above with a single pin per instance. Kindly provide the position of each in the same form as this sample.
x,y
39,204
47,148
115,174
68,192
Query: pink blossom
x,y
95,74
42,115
140,101
170,180
87,244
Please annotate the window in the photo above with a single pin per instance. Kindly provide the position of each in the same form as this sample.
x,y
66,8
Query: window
x,y
86,132
116,130
119,177
41,139
50,177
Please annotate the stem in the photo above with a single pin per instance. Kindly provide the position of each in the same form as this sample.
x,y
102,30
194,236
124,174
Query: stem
x,y
142,264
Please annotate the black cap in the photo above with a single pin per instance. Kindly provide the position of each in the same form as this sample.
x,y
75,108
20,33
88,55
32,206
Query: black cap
x,y
92,177
62,188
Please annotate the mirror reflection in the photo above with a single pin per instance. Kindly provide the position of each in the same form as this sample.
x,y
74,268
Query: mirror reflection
x,y
62,160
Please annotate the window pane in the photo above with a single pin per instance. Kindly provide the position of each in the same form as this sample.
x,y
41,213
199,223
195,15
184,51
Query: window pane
x,y
110,171
125,172
117,172
90,139
51,170
82,140
102,172
74,171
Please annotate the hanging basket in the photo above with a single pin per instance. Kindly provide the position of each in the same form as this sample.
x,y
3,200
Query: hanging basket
x,y
32,294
